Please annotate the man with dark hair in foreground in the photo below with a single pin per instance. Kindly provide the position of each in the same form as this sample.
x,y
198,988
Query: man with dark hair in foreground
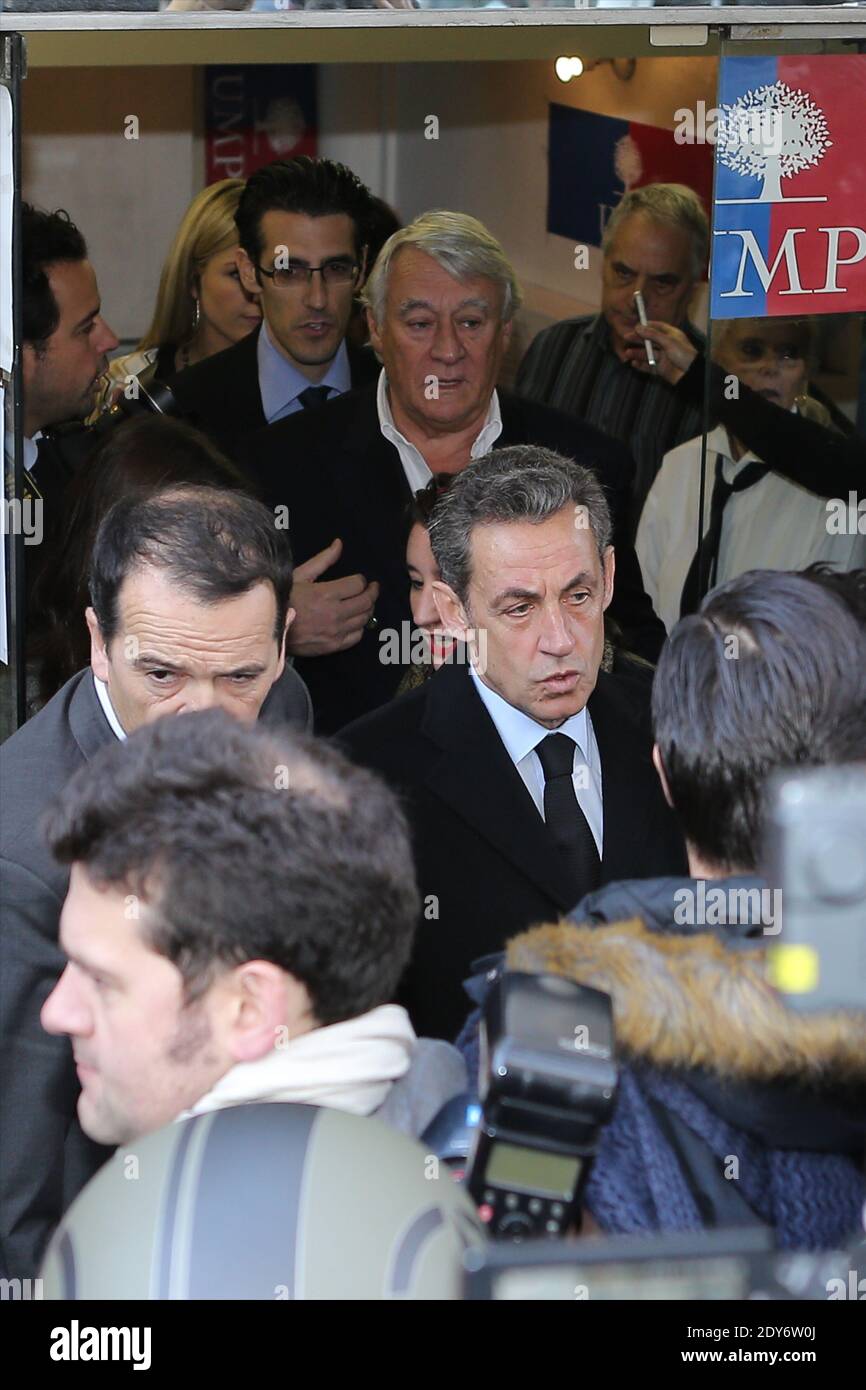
x,y
732,1109
240,907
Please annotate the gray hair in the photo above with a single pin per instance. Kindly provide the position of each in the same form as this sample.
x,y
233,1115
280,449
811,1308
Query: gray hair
x,y
673,203
521,483
460,244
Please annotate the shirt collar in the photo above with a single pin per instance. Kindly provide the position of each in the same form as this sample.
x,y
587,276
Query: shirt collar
x,y
30,446
719,443
520,734
108,708
484,440
280,382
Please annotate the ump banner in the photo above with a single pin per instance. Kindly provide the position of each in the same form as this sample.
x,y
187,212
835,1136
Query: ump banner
x,y
256,114
594,160
789,215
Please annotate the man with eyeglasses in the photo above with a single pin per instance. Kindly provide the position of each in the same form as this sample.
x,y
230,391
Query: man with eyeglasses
x,y
303,230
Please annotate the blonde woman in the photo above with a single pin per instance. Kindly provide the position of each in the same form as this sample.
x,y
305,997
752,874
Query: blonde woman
x,y
201,306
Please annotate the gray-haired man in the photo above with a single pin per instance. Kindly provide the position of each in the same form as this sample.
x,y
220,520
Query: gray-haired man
x,y
440,302
655,242
527,772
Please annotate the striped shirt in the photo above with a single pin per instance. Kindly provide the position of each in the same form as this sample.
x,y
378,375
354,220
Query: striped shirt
x,y
573,367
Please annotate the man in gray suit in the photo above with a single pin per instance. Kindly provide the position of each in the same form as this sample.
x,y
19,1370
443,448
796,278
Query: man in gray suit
x,y
190,607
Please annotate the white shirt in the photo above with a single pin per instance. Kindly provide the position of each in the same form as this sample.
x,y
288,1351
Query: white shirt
x,y
415,467
522,735
775,524
30,448
108,708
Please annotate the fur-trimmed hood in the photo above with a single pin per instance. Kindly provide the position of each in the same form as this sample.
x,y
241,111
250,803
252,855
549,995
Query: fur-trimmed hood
x,y
697,1003
689,1001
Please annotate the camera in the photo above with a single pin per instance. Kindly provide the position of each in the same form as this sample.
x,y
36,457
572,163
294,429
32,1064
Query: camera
x,y
817,852
75,443
548,1082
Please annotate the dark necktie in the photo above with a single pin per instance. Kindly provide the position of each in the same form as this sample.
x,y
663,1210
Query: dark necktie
x,y
701,578
313,397
565,820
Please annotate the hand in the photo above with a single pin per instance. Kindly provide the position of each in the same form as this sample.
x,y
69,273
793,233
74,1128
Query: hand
x,y
330,616
674,353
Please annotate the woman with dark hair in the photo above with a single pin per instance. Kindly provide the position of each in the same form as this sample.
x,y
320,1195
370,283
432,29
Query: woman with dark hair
x,y
423,572
139,457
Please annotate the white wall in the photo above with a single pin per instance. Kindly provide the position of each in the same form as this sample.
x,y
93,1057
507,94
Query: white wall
x,y
127,196
490,158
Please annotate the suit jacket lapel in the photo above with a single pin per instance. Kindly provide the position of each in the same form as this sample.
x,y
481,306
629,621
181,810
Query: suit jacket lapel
x,y
373,485
475,776
510,408
90,728
246,394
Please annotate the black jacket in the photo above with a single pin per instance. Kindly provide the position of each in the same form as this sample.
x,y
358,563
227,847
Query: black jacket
x,y
339,476
486,867
221,395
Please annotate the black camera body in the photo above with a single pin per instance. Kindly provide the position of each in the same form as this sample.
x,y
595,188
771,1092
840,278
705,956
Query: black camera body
x,y
548,1083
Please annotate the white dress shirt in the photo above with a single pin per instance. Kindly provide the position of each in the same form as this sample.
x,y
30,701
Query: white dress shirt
x,y
108,708
775,524
522,735
415,467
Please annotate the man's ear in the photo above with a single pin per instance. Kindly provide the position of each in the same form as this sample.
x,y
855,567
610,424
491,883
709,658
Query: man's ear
x,y
267,1008
291,614
609,569
99,661
364,263
373,330
663,777
248,272
452,613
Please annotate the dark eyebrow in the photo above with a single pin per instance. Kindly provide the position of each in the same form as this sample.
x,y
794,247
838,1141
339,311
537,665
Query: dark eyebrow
x,y
337,256
91,969
88,318
145,659
583,578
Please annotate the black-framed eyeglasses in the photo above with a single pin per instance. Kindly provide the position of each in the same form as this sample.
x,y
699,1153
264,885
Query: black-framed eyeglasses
x,y
296,273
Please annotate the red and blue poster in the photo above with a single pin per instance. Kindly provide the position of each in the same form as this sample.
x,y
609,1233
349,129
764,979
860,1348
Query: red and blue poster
x,y
789,216
256,114
593,160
